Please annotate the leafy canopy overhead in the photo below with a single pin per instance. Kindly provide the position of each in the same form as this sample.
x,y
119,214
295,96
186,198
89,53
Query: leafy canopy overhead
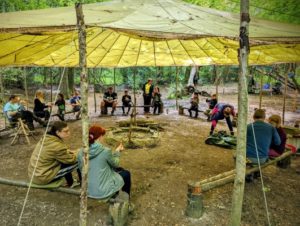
x,y
277,10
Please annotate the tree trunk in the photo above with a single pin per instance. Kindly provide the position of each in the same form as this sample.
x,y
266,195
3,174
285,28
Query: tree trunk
x,y
192,75
64,88
260,92
239,182
71,83
26,86
1,87
284,95
84,112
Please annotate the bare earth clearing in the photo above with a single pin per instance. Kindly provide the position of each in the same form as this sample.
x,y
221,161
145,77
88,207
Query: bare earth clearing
x,y
159,178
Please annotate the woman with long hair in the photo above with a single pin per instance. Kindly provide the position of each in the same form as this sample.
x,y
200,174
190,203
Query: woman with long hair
x,y
277,150
40,108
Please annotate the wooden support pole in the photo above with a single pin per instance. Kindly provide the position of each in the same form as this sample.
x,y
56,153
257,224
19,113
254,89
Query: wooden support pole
x,y
84,112
114,71
260,93
284,96
216,81
95,98
176,92
134,95
1,87
51,86
239,182
26,86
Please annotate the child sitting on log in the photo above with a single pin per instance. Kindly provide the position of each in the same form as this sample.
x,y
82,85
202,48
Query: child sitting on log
x,y
61,106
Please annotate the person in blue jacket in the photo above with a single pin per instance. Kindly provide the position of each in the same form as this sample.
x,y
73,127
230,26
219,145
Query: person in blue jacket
x,y
260,136
106,178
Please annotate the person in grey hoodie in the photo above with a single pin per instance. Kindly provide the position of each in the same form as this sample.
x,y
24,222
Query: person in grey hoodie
x,y
106,178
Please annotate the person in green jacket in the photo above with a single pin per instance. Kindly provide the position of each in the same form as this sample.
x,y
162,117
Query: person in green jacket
x,y
106,178
54,160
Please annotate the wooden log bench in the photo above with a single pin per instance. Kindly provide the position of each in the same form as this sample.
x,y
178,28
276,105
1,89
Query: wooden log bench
x,y
132,107
182,108
66,113
194,207
118,204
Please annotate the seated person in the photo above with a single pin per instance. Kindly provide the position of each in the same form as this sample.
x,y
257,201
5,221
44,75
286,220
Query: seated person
x,y
105,176
212,102
277,150
40,108
126,102
61,106
194,104
260,136
220,112
55,159
156,100
110,99
75,102
14,110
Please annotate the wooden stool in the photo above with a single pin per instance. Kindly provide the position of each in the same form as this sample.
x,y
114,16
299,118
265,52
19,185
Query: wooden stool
x,y
21,130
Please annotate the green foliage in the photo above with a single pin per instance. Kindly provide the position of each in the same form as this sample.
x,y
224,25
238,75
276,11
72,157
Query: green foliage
x,y
19,5
278,10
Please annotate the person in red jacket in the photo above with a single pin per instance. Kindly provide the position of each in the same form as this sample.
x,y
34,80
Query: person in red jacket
x,y
220,112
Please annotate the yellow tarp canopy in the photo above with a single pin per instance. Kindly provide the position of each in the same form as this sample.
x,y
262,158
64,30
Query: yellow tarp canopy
x,y
141,33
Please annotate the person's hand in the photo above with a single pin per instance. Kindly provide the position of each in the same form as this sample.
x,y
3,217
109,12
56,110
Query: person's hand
x,y
120,147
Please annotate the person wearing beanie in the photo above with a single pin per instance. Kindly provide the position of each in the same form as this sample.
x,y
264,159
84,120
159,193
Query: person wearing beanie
x,y
105,177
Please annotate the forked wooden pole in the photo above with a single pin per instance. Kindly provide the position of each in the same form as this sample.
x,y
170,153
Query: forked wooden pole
x,y
284,95
239,182
84,112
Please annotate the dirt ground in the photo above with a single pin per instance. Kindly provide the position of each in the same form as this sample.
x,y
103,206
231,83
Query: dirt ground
x,y
159,177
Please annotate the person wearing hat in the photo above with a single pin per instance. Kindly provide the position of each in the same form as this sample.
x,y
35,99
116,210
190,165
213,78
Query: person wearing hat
x,y
277,150
147,94
110,99
105,177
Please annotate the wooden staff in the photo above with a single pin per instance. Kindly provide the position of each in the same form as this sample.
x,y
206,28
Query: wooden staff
x,y
95,100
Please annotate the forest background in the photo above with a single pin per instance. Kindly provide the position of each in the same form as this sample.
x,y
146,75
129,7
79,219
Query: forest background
x,y
277,10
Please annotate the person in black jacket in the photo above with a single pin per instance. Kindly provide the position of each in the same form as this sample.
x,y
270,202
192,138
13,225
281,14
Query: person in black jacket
x,y
110,99
126,102
147,94
40,108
